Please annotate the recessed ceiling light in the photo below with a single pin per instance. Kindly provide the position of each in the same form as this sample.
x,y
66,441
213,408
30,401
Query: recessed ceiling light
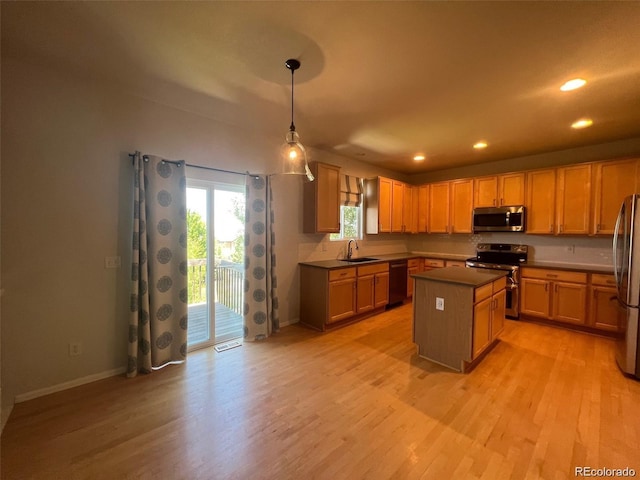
x,y
573,84
480,145
582,123
418,158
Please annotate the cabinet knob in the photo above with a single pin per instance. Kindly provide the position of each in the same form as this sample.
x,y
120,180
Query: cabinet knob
x,y
561,228
494,202
551,228
546,287
598,228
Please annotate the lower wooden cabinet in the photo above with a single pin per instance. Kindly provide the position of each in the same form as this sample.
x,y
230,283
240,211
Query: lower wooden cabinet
x,y
554,295
414,266
488,315
573,298
604,312
373,287
332,297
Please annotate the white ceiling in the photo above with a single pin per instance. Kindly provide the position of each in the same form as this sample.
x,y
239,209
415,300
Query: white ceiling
x,y
379,82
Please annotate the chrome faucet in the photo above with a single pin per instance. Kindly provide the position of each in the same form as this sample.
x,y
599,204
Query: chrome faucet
x,y
349,249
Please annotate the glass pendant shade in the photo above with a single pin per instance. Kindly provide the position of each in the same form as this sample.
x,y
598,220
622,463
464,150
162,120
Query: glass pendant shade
x,y
294,155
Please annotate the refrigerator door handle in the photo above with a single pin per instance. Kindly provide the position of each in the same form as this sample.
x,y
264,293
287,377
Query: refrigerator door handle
x,y
618,275
615,250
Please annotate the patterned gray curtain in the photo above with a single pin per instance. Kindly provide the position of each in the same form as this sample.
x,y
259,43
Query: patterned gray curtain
x,y
158,322
260,282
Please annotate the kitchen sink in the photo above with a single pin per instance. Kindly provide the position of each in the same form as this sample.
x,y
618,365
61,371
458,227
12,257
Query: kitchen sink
x,y
358,260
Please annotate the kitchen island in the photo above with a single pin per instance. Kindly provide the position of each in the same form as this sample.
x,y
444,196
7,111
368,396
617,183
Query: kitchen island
x,y
458,314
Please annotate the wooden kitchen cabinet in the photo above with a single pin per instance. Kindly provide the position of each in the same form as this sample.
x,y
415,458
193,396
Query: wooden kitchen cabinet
x,y
423,208
604,313
389,206
410,210
457,315
573,200
438,218
498,190
372,287
378,193
342,294
554,294
330,298
541,200
431,263
488,315
613,182
461,206
321,200
397,206
413,267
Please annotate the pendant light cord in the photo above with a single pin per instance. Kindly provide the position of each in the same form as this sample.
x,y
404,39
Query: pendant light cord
x,y
292,128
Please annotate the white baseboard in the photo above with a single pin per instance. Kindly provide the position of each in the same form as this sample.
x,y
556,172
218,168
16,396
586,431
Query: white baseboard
x,y
23,397
286,323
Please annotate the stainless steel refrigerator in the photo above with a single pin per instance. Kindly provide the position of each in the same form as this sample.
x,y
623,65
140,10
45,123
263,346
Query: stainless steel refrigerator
x,y
626,263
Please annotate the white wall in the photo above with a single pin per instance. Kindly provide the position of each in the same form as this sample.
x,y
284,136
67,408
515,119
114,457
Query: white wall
x,y
66,195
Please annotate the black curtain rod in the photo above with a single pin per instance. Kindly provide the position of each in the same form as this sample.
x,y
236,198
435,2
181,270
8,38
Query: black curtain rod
x,y
178,163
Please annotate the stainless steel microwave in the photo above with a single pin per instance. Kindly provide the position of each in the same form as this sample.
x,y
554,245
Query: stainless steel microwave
x,y
499,219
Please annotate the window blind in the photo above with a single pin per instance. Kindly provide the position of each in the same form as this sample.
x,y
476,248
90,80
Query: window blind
x,y
350,191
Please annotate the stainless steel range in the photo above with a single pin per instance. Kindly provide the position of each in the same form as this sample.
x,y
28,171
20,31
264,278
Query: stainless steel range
x,y
503,256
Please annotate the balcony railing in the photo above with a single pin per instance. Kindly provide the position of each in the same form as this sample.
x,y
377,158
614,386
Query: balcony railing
x,y
228,281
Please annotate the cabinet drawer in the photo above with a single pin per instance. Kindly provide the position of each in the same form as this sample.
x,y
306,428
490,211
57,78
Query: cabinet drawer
x,y
342,273
482,292
499,284
555,275
373,269
603,279
456,263
413,262
431,262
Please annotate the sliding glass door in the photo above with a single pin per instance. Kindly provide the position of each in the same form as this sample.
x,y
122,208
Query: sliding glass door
x,y
215,220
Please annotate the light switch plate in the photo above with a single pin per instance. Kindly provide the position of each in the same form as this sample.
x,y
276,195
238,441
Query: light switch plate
x,y
440,303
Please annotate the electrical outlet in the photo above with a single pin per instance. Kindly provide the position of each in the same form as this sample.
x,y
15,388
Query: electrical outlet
x,y
440,304
112,262
75,349
570,248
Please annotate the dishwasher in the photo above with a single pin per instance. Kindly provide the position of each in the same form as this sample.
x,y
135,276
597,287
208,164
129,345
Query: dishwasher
x,y
397,281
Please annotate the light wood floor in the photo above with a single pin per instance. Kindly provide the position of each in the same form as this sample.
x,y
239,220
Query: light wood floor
x,y
356,403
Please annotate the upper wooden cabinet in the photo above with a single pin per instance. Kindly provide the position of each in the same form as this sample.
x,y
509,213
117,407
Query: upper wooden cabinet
x,y
378,193
397,206
423,208
507,189
389,206
613,182
541,198
321,200
461,206
573,200
438,217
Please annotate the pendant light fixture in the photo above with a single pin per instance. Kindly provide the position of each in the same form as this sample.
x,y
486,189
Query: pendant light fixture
x,y
293,153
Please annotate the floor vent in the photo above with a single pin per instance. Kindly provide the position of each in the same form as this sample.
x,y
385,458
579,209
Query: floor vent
x,y
221,347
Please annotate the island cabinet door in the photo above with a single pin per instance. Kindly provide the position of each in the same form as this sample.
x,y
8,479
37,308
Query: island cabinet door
x,y
342,299
497,315
481,326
